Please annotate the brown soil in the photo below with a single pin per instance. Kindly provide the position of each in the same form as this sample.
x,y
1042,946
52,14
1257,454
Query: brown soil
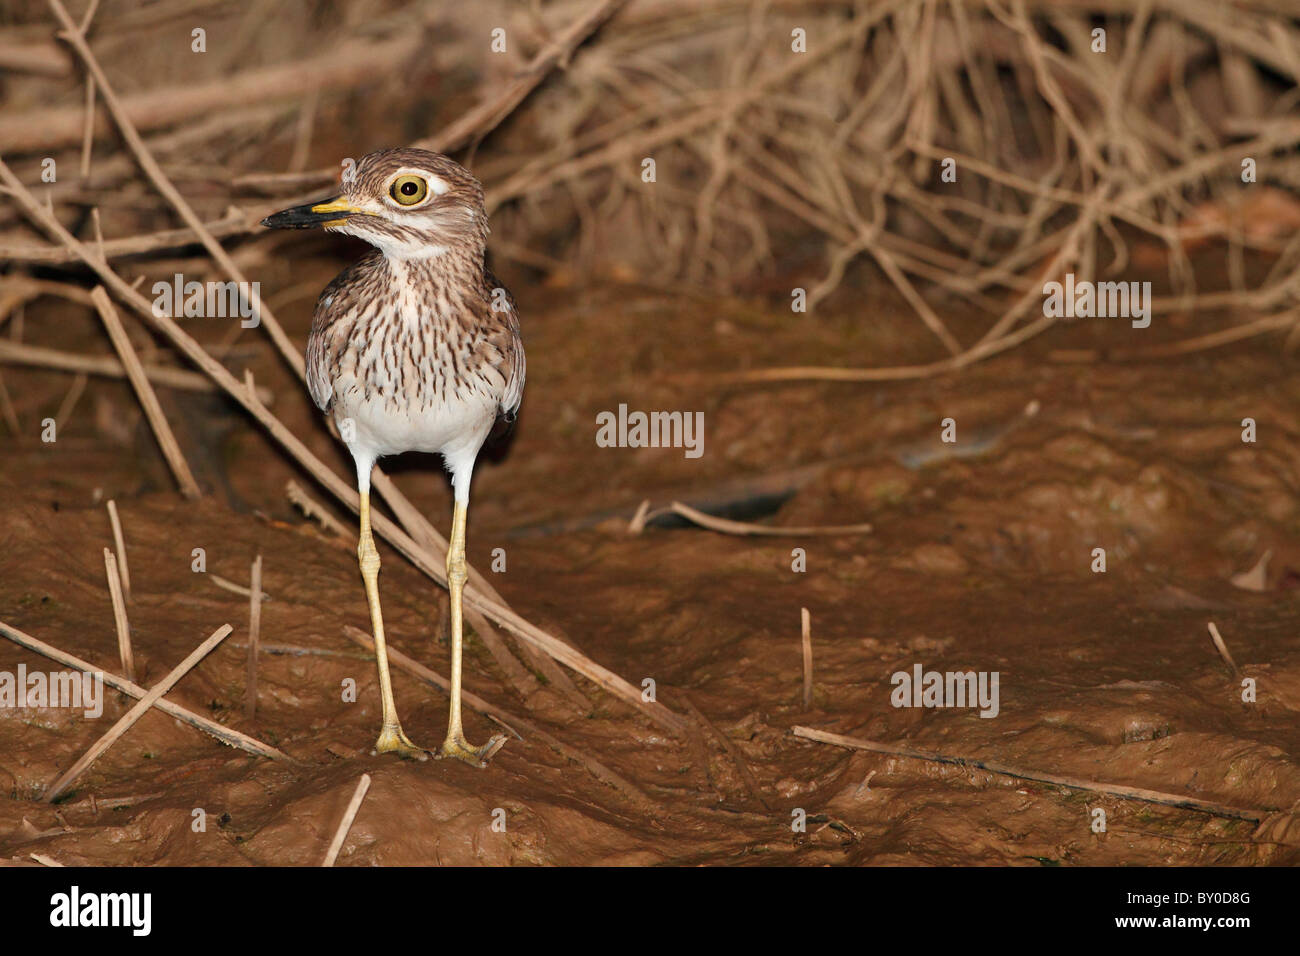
x,y
980,559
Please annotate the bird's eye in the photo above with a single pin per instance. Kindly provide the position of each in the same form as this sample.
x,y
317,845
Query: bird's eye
x,y
408,190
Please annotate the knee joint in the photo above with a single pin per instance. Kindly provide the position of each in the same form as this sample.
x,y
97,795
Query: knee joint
x,y
456,572
368,555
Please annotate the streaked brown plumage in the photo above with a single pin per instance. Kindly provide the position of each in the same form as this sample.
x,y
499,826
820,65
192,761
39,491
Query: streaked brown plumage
x,y
415,347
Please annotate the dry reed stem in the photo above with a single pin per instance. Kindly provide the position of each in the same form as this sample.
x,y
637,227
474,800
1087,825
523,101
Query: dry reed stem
x,y
135,713
119,615
69,402
144,392
119,546
36,356
726,526
345,824
481,120
315,511
7,409
227,585
225,735
236,222
805,632
254,636
732,750
294,650
1222,648
1073,783
345,66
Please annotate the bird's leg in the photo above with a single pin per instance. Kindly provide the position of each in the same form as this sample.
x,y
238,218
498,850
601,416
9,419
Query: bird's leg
x,y
391,738
456,745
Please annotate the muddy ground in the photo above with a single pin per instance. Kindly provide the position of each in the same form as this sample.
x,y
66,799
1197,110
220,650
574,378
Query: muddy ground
x,y
981,558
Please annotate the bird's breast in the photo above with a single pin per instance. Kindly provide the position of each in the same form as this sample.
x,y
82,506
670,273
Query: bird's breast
x,y
409,378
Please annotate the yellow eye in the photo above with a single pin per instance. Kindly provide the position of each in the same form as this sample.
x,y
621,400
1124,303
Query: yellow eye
x,y
408,190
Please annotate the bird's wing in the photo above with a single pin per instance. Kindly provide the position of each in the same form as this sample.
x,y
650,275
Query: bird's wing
x,y
510,346
336,310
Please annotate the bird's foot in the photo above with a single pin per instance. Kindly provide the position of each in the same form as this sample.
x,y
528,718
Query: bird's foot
x,y
461,749
393,741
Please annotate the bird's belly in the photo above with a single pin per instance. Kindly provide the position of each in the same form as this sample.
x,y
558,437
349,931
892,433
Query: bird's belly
x,y
382,426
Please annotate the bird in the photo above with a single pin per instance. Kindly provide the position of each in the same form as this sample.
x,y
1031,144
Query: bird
x,y
414,347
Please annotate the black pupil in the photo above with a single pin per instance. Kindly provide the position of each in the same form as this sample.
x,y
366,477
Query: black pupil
x,y
409,188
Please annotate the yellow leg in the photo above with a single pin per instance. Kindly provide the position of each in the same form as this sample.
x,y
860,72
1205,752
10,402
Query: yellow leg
x,y
391,738
456,745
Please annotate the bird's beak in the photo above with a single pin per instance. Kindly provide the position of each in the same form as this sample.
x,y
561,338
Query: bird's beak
x,y
331,212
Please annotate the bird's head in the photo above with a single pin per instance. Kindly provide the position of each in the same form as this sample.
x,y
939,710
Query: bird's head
x,y
409,203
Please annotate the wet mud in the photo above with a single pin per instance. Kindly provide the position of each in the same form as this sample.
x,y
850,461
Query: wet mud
x,y
982,557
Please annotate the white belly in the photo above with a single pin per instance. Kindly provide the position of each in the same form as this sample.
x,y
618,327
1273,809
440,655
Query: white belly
x,y
375,426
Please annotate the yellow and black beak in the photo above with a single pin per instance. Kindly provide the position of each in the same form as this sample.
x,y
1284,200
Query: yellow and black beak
x,y
330,212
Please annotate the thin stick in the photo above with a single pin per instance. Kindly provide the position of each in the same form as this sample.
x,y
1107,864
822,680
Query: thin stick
x,y
1211,340
293,650
346,823
236,222
726,526
16,353
805,627
1223,648
484,118
45,860
119,615
729,745
135,713
518,675
69,402
254,634
228,585
119,543
314,510
891,373
145,393
1074,783
88,138
231,738
8,411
